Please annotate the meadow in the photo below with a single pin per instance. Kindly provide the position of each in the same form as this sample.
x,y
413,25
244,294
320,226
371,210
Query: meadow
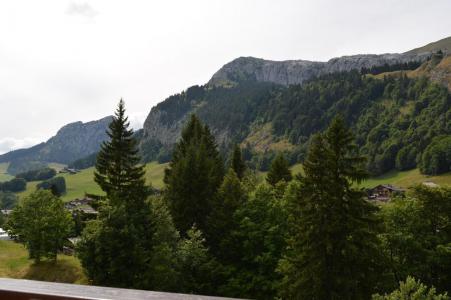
x,y
83,182
3,175
14,263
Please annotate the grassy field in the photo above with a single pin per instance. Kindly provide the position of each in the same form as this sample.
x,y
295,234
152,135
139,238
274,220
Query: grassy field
x,y
403,179
83,182
406,179
14,263
155,174
3,175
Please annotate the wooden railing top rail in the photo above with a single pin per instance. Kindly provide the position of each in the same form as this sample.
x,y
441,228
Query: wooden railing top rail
x,y
18,289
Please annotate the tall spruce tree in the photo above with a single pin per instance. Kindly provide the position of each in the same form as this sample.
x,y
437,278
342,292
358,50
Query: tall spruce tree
x,y
231,196
279,171
116,249
193,177
237,163
333,249
118,172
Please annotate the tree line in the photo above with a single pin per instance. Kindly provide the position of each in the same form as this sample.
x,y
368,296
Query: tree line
x,y
215,230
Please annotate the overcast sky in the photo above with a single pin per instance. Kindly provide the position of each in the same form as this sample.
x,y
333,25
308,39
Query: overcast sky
x,y
63,61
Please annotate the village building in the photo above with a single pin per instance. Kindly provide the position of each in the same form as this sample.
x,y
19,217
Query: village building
x,y
384,192
69,170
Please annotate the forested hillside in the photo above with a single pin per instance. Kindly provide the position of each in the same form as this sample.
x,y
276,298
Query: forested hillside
x,y
394,117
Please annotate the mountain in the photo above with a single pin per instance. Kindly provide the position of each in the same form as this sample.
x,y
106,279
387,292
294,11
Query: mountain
x,y
391,101
268,106
298,71
73,141
443,45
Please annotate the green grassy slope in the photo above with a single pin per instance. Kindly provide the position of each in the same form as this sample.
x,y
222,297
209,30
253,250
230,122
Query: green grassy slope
x,y
406,179
443,44
155,174
402,179
83,182
14,263
4,176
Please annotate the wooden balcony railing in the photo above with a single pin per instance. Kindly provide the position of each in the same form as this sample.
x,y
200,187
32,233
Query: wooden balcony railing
x,y
18,289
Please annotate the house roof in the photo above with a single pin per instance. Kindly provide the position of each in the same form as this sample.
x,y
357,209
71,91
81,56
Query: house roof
x,y
390,187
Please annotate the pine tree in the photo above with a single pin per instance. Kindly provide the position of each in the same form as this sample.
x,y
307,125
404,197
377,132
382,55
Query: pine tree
x,y
193,177
116,248
333,249
279,171
118,172
230,197
237,163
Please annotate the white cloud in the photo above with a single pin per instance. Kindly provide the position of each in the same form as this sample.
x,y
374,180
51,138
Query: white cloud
x,y
81,9
137,120
8,143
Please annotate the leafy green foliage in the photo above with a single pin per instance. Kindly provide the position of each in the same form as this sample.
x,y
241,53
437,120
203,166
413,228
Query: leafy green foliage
x,y
197,267
257,244
238,107
57,185
85,162
394,118
279,171
7,200
386,115
436,159
412,289
193,177
231,196
24,165
37,175
41,223
411,65
237,163
14,185
417,236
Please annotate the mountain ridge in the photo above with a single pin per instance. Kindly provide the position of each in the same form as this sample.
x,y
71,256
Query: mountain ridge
x,y
290,72
71,142
239,84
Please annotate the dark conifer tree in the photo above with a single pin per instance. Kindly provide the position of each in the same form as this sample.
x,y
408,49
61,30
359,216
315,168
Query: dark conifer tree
x,y
222,220
333,250
118,172
116,249
279,171
237,163
193,177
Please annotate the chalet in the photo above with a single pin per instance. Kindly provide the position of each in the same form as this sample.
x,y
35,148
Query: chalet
x,y
69,170
83,205
384,192
78,202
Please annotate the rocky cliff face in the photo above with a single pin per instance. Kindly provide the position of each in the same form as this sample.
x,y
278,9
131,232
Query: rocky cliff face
x,y
156,129
159,133
75,140
72,142
297,71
